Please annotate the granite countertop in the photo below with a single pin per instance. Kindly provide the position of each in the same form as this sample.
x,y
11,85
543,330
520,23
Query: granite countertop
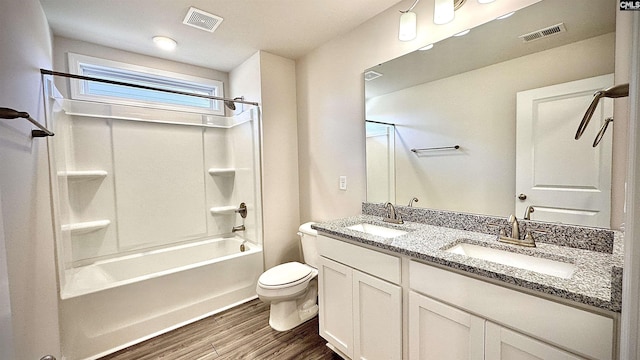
x,y
597,280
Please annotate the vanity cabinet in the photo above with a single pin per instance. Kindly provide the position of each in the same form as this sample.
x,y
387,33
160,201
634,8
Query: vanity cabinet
x,y
441,304
505,344
440,331
360,305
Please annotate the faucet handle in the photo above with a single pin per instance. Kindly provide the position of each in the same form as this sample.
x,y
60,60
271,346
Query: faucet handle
x,y
415,199
501,231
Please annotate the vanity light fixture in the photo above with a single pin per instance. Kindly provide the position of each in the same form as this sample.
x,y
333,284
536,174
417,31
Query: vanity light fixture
x,y
427,47
443,13
408,24
463,33
165,43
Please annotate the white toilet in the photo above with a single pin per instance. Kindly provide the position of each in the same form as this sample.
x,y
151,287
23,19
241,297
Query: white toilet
x,y
292,288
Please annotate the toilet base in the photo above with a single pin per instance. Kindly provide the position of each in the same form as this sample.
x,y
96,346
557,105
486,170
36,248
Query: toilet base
x,y
285,315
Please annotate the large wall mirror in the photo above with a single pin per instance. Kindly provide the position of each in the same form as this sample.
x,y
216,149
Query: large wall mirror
x,y
485,122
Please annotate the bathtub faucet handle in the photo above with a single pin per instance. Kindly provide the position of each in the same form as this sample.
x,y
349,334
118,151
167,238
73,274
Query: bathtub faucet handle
x,y
238,228
242,210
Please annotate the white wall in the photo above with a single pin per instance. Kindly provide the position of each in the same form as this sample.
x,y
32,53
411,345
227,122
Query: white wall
x,y
270,80
330,93
480,177
25,41
279,160
6,325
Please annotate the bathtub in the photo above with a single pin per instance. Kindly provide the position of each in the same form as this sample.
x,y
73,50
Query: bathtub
x,y
115,303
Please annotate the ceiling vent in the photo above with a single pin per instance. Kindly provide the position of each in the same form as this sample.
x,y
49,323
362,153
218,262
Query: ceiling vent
x,y
542,33
202,20
370,75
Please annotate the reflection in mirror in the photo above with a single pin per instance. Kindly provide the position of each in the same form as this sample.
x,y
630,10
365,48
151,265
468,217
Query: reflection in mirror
x,y
380,162
465,91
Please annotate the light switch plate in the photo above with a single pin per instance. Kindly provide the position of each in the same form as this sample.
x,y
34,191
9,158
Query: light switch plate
x,y
343,183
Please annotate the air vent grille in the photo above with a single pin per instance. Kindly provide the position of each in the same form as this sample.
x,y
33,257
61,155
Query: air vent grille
x,y
370,75
202,20
542,33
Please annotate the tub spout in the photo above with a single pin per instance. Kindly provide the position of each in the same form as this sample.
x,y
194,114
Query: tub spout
x,y
238,228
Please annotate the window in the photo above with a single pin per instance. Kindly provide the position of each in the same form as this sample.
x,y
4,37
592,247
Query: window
x,y
117,71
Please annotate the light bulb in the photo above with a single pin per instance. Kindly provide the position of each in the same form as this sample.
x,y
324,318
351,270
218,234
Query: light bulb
x,y
443,12
408,26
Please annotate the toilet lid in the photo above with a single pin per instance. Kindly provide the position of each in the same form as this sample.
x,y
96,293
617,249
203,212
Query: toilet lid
x,y
285,274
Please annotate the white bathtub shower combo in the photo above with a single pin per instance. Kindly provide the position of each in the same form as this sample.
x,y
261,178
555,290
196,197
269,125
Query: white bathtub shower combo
x,y
145,201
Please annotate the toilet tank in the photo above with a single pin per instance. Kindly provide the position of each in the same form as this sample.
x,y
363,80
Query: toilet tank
x,y
308,238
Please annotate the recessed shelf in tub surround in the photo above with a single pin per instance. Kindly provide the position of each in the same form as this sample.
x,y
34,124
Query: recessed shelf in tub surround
x,y
222,171
83,175
596,282
86,227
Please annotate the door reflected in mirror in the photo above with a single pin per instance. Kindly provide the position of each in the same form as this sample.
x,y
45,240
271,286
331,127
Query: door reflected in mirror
x,y
381,175
464,92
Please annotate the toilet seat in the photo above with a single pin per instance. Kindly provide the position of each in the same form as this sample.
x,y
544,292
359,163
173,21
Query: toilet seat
x,y
286,275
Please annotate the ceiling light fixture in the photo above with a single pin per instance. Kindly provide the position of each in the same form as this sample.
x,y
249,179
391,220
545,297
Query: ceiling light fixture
x,y
165,43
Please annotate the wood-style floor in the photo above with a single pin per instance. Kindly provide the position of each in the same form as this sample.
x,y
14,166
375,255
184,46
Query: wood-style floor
x,y
242,332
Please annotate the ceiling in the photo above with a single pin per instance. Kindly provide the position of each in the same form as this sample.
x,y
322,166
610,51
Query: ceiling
x,y
288,28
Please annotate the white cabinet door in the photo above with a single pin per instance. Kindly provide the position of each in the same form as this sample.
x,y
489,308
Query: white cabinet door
x,y
505,344
438,331
335,298
377,318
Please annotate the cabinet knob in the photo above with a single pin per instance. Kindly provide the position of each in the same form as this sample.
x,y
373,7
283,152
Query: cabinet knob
x,y
522,197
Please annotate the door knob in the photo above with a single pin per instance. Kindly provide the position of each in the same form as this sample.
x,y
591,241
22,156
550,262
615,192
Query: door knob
x,y
522,197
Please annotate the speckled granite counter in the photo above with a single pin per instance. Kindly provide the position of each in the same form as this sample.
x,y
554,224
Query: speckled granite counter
x,y
597,280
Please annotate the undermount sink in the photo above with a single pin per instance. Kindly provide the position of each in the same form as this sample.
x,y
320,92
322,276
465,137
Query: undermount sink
x,y
377,230
526,262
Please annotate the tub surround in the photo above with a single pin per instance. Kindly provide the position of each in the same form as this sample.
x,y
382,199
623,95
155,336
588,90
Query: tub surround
x,y
596,253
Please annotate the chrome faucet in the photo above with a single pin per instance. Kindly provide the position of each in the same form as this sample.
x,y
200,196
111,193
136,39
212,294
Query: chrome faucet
x,y
392,215
238,228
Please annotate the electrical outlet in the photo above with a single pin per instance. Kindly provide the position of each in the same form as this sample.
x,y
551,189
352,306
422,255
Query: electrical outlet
x,y
343,183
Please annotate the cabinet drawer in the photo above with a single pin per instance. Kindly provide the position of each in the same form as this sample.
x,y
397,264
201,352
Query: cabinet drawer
x,y
381,265
567,327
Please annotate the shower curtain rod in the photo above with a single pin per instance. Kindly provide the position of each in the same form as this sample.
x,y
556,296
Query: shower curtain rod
x,y
112,82
7,113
